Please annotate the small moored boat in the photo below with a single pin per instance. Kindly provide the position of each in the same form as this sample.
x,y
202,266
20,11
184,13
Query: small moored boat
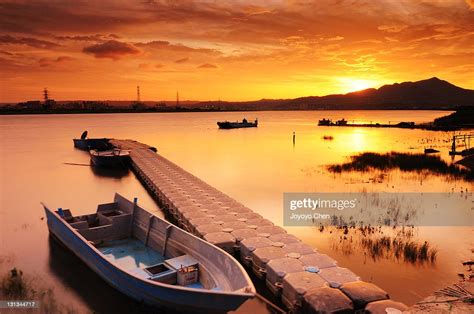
x,y
151,260
114,158
85,143
237,125
431,151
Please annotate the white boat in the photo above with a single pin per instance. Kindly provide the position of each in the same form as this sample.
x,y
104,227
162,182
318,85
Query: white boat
x,y
151,260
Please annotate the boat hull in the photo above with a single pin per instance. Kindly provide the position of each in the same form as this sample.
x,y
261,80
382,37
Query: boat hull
x,y
136,288
236,125
110,161
92,143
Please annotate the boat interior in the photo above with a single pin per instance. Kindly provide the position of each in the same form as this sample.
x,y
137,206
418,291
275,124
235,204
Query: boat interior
x,y
147,246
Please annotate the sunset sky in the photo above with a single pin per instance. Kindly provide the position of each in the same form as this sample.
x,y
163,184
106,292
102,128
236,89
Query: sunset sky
x,y
229,50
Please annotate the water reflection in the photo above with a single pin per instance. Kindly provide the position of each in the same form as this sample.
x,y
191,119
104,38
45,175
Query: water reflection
x,y
116,173
254,166
398,244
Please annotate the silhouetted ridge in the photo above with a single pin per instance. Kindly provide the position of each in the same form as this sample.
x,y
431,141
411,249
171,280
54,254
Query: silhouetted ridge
x,y
432,93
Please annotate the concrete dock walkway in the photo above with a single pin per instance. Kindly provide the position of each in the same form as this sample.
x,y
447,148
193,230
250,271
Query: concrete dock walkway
x,y
305,280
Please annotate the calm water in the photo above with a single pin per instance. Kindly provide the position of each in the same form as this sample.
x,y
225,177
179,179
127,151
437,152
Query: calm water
x,y
255,166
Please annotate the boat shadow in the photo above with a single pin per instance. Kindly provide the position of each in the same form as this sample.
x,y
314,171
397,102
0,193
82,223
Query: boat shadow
x,y
116,173
91,289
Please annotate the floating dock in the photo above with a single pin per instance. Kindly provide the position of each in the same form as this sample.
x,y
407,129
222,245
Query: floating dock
x,y
305,280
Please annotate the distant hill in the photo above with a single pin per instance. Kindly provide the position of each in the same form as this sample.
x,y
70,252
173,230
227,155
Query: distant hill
x,y
432,93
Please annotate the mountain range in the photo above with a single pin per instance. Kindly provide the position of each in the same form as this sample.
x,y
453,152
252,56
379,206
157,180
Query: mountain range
x,y
432,93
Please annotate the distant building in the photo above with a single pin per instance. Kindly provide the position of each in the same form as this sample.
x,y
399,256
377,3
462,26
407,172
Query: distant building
x,y
30,105
138,105
72,106
94,105
50,104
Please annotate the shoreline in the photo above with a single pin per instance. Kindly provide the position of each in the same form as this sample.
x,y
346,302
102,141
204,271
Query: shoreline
x,y
185,110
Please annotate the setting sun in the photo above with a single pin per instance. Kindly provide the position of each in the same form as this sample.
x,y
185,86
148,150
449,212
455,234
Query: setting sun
x,y
348,85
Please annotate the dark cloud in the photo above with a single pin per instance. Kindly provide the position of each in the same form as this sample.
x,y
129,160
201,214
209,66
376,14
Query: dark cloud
x,y
112,49
97,37
166,45
182,60
150,66
93,37
6,53
28,41
145,66
208,66
45,62
35,17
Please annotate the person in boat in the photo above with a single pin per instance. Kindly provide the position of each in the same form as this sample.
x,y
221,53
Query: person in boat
x,y
244,120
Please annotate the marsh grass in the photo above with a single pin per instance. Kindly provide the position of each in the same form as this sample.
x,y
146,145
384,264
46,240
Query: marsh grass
x,y
379,243
14,285
409,250
406,162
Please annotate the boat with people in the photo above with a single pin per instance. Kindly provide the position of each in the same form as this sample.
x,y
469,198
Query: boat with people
x,y
86,143
329,122
237,124
112,158
325,122
150,259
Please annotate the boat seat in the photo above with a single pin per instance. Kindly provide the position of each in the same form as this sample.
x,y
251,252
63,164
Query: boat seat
x,y
66,214
140,272
78,225
181,261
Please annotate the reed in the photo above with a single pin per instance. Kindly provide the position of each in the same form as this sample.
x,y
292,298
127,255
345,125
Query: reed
x,y
405,162
377,242
16,286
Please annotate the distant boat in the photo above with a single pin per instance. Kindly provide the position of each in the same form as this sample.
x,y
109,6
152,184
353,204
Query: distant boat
x,y
85,143
114,158
151,260
325,122
236,125
328,122
431,151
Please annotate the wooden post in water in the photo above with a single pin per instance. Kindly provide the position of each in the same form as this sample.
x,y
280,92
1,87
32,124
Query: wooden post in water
x,y
453,147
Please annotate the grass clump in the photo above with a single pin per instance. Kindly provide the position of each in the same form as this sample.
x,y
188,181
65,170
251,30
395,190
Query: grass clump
x,y
14,285
403,161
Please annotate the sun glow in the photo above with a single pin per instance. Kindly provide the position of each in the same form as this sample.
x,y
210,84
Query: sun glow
x,y
352,85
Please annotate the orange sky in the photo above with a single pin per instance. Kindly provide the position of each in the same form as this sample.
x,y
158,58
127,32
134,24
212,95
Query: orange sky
x,y
229,50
